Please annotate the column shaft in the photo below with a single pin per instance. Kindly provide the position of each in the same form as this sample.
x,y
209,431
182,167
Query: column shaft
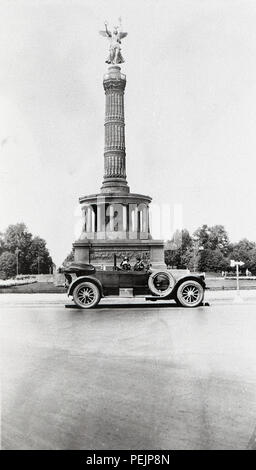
x,y
114,153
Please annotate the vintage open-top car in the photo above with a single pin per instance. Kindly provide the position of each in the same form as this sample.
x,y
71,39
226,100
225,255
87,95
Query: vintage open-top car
x,y
87,285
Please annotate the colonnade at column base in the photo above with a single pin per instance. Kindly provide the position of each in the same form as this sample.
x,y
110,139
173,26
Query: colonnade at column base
x,y
117,223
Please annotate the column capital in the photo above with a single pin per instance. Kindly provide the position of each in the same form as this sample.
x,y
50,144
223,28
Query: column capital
x,y
114,80
118,85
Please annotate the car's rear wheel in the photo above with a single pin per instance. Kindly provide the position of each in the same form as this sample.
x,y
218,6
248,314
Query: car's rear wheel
x,y
190,294
86,295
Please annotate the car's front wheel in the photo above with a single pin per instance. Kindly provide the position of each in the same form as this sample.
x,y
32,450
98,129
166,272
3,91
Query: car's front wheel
x,y
190,294
86,295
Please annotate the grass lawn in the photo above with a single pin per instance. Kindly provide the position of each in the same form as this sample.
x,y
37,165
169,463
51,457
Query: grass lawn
x,y
37,287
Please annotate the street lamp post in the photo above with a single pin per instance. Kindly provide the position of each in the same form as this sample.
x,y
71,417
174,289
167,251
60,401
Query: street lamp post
x,y
237,277
17,251
236,264
38,264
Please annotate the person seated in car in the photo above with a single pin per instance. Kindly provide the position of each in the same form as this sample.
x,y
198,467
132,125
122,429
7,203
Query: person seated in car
x,y
139,265
125,265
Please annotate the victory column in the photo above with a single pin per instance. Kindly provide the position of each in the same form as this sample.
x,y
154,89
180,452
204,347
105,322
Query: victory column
x,y
116,221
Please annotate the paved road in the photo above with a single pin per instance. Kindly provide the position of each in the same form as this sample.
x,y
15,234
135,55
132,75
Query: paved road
x,y
141,377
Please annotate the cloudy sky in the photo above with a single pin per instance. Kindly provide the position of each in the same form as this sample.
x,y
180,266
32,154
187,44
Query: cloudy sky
x,y
190,108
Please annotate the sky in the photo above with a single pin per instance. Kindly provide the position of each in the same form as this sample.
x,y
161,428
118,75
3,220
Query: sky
x,y
190,109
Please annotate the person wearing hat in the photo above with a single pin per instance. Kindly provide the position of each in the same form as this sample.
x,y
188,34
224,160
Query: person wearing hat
x,y
139,265
125,265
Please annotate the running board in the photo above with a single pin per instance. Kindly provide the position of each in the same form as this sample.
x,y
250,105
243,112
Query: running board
x,y
154,298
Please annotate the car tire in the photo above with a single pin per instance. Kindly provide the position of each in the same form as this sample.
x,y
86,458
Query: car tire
x,y
190,294
86,295
152,283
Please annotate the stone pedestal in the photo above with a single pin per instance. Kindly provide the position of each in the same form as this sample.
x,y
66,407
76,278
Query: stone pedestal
x,y
101,253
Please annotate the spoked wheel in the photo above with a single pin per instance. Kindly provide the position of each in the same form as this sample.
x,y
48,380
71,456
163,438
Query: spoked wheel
x,y
190,294
86,295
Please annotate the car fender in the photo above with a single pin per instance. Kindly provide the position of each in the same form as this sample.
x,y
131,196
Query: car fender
x,y
188,277
80,279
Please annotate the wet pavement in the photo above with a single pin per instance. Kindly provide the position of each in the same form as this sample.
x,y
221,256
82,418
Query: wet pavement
x,y
139,376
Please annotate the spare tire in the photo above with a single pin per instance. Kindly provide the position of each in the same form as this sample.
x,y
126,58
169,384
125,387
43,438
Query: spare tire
x,y
161,283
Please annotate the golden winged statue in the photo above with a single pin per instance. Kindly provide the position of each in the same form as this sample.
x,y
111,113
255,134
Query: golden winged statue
x,y
115,56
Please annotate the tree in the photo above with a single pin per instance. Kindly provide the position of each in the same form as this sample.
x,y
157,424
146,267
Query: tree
x,y
40,260
7,265
213,238
244,250
32,252
252,263
2,246
212,260
69,258
189,258
201,235
218,239
18,236
206,250
176,249
211,247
